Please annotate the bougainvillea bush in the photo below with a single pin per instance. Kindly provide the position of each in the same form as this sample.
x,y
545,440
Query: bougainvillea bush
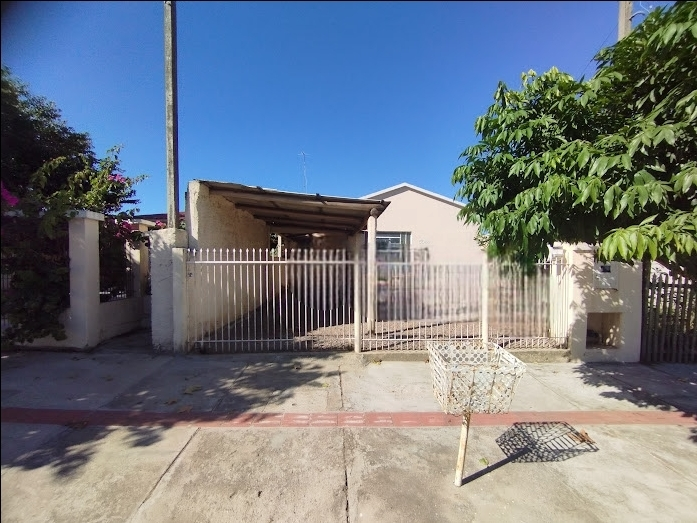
x,y
48,172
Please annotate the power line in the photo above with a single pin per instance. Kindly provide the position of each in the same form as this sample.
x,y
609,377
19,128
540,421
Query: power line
x,y
612,30
304,171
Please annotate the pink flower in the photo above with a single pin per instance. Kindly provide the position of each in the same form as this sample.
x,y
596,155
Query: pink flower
x,y
10,198
117,178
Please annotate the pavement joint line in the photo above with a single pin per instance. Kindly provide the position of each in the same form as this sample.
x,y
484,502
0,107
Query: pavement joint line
x,y
81,418
164,473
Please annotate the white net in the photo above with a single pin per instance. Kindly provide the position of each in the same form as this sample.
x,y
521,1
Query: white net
x,y
473,377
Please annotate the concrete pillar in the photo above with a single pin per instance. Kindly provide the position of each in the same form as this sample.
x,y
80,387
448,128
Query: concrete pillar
x,y
371,290
140,261
580,258
82,323
163,285
180,301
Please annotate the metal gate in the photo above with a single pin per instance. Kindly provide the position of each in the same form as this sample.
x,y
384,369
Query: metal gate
x,y
421,301
258,300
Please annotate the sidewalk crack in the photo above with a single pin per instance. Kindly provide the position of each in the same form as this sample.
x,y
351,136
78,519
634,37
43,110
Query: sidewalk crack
x,y
159,480
341,388
346,488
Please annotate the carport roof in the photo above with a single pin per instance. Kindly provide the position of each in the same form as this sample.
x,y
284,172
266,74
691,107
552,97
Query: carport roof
x,y
299,213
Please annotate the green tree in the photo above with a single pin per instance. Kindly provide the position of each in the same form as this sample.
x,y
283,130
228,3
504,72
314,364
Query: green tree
x,y
48,171
608,161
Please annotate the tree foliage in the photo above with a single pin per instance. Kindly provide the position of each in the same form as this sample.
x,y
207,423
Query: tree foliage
x,y
48,171
610,161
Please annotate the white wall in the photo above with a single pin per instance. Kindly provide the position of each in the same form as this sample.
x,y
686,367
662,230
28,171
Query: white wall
x,y
433,225
623,304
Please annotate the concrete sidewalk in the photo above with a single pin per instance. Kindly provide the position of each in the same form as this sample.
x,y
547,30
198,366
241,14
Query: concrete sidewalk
x,y
123,434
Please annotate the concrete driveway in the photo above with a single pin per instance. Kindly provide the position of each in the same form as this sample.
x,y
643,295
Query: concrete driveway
x,y
123,434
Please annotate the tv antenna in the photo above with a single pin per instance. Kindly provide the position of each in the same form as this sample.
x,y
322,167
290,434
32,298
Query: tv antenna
x,y
304,171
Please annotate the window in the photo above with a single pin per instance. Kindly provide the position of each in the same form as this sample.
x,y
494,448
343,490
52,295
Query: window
x,y
392,246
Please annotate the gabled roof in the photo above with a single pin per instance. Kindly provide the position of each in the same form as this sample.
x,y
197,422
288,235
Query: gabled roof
x,y
396,189
299,213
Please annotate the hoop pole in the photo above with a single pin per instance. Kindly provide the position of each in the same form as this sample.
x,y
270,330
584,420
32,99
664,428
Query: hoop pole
x,y
459,472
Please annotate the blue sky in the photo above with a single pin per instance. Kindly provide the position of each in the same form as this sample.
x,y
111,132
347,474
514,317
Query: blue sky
x,y
374,93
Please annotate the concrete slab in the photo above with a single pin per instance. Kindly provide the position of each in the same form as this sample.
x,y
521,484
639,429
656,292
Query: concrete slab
x,y
532,395
583,387
407,475
390,386
294,475
71,380
286,383
184,382
21,438
91,474
661,386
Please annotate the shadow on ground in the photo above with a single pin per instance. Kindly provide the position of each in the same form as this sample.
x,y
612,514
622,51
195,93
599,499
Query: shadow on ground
x,y
539,442
191,388
665,386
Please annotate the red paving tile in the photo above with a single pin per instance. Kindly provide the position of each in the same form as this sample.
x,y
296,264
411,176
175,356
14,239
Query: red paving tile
x,y
335,419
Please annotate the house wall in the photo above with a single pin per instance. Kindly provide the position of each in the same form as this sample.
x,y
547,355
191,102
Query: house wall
x,y
214,222
433,225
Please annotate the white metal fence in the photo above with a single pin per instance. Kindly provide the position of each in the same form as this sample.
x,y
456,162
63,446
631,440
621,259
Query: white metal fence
x,y
528,308
420,301
259,300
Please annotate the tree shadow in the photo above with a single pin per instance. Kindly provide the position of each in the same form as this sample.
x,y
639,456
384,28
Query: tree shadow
x,y
185,389
664,387
539,442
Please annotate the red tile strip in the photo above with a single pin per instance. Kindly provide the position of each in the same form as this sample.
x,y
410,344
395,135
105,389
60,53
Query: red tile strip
x,y
82,418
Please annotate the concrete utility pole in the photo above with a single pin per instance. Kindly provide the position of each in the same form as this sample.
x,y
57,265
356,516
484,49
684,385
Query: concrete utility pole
x,y
171,115
624,23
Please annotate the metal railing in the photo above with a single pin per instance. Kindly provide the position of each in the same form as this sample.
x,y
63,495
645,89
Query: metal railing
x,y
257,300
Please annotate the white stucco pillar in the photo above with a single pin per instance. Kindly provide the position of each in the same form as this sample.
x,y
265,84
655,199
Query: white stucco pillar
x,y
167,288
371,291
140,261
581,265
82,322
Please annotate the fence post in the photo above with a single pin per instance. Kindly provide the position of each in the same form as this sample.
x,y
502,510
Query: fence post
x,y
357,276
485,301
82,324
371,291
162,243
180,301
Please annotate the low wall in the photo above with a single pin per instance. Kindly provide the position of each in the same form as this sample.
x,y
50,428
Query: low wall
x,y
119,317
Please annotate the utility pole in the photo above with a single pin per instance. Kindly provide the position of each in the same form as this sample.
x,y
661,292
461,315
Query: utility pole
x,y
624,23
171,114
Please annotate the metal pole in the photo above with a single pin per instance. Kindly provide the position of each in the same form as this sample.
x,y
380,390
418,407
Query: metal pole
x,y
357,286
171,115
624,22
485,301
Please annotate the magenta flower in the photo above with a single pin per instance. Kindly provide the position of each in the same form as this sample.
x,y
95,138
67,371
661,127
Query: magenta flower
x,y
117,178
10,198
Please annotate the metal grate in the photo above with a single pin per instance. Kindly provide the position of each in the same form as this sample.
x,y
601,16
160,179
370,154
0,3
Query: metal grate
x,y
473,376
